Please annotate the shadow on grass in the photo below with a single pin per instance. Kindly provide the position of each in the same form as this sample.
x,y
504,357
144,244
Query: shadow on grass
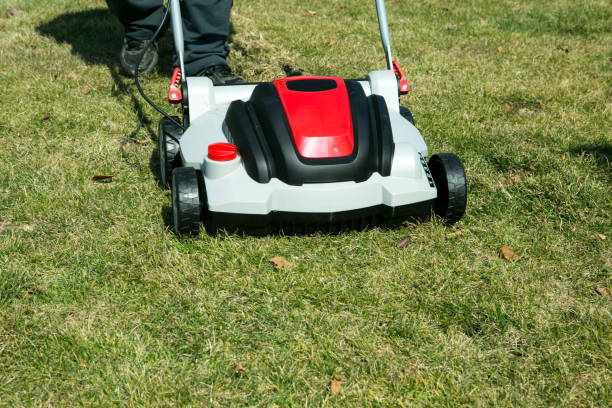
x,y
96,37
601,153
166,214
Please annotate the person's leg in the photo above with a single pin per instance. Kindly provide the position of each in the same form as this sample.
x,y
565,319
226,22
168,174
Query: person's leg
x,y
206,26
140,19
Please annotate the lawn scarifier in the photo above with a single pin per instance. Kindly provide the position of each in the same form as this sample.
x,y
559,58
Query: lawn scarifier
x,y
300,154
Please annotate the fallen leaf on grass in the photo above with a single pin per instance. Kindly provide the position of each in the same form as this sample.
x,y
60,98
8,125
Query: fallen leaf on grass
x,y
39,289
2,27
86,89
457,233
508,107
329,43
46,116
11,12
308,13
508,253
517,43
239,369
462,23
279,262
429,72
603,291
601,236
500,48
404,243
336,385
103,177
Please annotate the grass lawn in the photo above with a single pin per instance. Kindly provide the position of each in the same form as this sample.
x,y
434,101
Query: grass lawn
x,y
100,304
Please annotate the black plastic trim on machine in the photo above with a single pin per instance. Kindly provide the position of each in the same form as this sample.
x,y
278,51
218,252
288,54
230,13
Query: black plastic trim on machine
x,y
261,132
305,223
311,85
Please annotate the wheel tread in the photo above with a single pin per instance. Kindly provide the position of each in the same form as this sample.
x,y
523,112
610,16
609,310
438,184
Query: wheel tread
x,y
450,180
186,201
169,134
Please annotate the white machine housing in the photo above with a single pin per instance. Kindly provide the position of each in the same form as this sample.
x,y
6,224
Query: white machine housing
x,y
230,190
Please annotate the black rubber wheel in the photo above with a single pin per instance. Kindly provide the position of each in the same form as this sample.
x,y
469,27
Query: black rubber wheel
x,y
186,202
449,177
405,112
169,149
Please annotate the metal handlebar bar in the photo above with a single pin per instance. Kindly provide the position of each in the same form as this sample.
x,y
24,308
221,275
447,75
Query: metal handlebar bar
x,y
384,31
179,45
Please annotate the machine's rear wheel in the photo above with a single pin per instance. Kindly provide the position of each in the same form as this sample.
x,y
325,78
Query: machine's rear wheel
x,y
449,177
186,201
405,112
169,156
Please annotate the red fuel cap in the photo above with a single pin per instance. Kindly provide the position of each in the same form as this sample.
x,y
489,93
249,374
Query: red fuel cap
x,y
221,151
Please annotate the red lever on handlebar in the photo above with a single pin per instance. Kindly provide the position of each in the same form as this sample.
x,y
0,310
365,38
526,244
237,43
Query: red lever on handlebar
x,y
404,88
174,93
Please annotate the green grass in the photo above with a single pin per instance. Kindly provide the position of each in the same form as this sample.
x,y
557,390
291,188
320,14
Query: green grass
x,y
101,305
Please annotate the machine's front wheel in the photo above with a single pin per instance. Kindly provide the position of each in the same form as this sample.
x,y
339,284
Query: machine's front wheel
x,y
449,177
186,202
169,148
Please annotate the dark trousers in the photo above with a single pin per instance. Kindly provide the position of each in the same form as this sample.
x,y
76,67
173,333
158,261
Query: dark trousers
x,y
205,27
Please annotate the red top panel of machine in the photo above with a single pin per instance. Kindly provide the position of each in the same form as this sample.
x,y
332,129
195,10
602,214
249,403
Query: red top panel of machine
x,y
319,115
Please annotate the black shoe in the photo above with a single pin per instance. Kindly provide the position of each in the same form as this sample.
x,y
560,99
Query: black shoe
x,y
221,75
130,52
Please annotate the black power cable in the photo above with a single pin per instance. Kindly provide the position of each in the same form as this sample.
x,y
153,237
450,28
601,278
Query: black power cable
x,y
146,47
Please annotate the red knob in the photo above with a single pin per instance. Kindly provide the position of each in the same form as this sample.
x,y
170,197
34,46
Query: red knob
x,y
221,151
